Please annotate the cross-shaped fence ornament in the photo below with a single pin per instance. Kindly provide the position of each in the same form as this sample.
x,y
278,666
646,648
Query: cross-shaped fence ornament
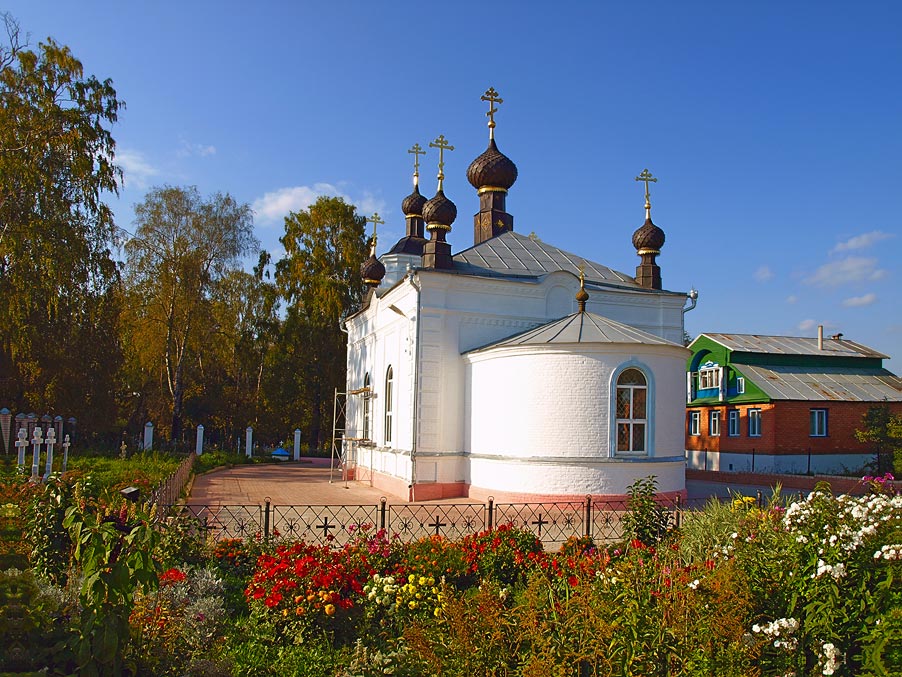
x,y
51,442
492,97
442,144
540,523
66,445
416,151
37,439
325,526
435,524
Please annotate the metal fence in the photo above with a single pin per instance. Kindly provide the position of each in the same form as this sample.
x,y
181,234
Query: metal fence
x,y
168,492
552,523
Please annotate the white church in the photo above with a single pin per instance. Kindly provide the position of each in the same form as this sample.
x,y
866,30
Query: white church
x,y
512,369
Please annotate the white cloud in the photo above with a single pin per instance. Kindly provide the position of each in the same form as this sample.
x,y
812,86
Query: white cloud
x,y
763,274
792,298
188,149
844,271
858,301
275,205
807,325
137,172
861,241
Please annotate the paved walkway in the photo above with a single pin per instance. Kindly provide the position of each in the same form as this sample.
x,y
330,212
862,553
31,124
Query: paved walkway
x,y
307,483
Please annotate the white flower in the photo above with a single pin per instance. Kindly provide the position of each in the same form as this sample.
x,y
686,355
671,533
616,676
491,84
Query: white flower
x,y
694,584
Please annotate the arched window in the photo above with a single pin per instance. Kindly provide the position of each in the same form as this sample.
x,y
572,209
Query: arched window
x,y
389,392
631,412
365,433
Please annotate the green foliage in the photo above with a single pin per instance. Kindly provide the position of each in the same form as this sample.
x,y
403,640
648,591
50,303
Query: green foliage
x,y
320,281
34,634
108,474
59,296
114,555
501,555
881,429
183,247
647,520
219,458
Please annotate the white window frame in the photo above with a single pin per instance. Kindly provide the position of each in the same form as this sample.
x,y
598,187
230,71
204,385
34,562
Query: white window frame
x,y
818,423
740,385
695,418
709,378
389,403
733,423
754,422
365,428
714,423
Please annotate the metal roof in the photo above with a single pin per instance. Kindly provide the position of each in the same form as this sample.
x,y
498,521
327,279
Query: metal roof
x,y
579,328
793,345
512,254
825,383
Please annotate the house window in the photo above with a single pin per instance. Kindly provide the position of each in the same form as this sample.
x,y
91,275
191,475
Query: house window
x,y
632,417
733,423
389,392
818,423
365,432
754,423
740,385
714,423
709,378
694,419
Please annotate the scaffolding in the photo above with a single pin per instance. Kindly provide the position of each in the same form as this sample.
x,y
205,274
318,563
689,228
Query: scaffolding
x,y
344,446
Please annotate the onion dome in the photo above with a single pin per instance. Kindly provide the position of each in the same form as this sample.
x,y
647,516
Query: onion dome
x,y
492,169
648,237
439,211
413,204
372,271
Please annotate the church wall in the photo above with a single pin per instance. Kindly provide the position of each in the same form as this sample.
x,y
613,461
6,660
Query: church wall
x,y
540,415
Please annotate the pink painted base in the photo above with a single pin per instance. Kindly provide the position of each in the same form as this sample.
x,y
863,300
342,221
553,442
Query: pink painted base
x,y
436,491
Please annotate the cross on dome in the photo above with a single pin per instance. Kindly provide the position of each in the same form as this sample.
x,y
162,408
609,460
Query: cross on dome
x,y
647,177
442,144
492,97
416,151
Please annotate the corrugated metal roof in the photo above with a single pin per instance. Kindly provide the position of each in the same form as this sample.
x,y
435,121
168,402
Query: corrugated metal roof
x,y
825,383
517,255
793,345
579,328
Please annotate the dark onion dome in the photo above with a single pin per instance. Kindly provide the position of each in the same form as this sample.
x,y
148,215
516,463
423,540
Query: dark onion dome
x,y
413,204
492,168
648,237
439,210
372,271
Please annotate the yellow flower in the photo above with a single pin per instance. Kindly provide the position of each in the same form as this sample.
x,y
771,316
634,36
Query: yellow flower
x,y
330,609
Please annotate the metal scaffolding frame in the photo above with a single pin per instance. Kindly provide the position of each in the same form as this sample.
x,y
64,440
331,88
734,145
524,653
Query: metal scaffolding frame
x,y
343,446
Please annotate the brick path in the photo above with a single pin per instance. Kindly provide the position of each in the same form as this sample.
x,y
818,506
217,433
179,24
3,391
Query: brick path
x,y
286,483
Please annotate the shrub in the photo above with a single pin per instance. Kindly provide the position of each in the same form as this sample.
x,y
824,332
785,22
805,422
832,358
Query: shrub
x,y
501,555
647,520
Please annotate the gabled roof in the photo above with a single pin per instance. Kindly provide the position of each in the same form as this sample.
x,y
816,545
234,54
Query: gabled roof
x,y
579,328
792,345
513,255
825,383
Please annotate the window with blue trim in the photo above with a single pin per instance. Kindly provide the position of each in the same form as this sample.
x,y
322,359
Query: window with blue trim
x,y
714,423
733,423
631,412
754,423
695,418
818,418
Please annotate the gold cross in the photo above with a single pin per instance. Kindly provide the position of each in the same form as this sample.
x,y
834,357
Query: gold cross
x,y
374,219
492,97
416,151
647,177
442,144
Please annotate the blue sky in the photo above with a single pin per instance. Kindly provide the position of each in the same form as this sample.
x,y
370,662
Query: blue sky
x,y
775,129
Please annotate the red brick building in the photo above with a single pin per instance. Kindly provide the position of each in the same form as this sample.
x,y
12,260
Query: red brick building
x,y
782,404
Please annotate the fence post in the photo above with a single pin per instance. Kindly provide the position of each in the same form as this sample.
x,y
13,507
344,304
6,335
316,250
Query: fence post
x,y
491,512
760,500
382,502
588,519
678,511
266,518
